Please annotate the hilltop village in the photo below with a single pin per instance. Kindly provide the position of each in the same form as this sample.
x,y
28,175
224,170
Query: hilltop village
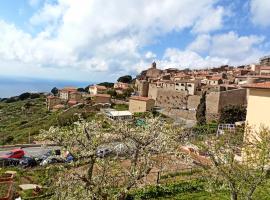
x,y
174,92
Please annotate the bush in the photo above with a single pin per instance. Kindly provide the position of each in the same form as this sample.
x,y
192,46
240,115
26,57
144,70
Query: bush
x,y
201,110
11,100
231,114
34,96
24,96
8,139
66,119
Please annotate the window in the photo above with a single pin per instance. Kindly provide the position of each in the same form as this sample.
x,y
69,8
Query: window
x,y
182,84
189,85
177,84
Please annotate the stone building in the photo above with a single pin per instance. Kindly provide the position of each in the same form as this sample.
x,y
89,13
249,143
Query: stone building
x,y
214,81
76,96
142,87
101,99
120,86
215,101
265,61
190,86
52,101
171,99
64,93
153,72
96,89
140,104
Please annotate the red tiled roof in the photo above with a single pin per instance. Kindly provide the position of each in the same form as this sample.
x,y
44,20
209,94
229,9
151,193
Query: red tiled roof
x,y
215,78
69,89
99,87
264,85
264,67
139,98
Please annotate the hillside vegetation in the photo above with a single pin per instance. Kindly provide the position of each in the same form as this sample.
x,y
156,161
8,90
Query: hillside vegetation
x,y
23,117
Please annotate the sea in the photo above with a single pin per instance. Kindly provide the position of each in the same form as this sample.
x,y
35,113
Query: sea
x,y
15,86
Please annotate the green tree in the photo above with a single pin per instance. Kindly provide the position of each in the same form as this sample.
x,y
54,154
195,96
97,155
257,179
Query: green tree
x,y
81,90
106,178
125,79
24,96
107,84
112,92
242,175
54,91
201,110
233,113
128,92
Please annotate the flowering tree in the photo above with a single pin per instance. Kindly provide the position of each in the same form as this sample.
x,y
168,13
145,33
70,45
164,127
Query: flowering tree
x,y
91,177
147,142
241,174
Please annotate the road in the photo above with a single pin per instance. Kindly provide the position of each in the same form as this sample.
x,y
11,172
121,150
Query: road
x,y
32,151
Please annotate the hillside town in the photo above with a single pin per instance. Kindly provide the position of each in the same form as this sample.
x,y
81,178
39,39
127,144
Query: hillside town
x,y
177,93
169,128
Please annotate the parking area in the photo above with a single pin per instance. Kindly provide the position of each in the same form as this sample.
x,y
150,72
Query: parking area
x,y
31,151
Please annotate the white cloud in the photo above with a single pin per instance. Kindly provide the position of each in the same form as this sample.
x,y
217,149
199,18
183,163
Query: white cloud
x,y
239,49
150,55
100,35
200,44
221,49
210,21
260,11
107,37
182,59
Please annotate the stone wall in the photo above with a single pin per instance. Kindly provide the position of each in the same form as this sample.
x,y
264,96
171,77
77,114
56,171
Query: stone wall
x,y
171,98
180,113
152,91
193,102
215,101
142,86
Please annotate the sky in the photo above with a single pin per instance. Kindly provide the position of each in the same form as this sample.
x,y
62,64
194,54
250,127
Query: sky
x,y
100,40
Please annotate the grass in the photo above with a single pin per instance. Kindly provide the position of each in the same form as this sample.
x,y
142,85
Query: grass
x,y
120,107
202,195
4,187
17,123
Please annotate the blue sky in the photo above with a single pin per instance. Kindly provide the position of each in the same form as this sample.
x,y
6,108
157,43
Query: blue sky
x,y
99,40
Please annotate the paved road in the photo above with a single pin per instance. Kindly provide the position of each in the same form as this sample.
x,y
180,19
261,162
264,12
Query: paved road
x,y
32,151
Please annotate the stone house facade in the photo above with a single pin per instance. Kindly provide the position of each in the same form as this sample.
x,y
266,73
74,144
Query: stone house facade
x,y
138,104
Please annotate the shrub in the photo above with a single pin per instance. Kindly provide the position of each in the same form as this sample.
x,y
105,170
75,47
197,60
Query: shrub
x,y
201,109
34,96
24,96
233,113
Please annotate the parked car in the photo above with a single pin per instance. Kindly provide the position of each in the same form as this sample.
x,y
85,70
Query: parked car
x,y
28,162
51,160
7,162
15,153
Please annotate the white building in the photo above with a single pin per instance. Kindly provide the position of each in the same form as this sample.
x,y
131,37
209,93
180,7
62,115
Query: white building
x,y
95,89
118,115
188,85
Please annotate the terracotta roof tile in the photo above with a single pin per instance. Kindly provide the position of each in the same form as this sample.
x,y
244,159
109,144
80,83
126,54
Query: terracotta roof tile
x,y
264,85
139,98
